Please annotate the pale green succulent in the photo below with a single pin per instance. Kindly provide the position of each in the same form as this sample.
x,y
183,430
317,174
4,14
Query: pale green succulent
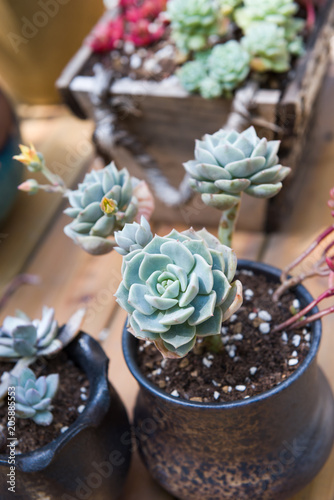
x,y
267,46
33,397
228,64
133,237
21,337
102,204
191,75
210,88
275,11
228,163
177,288
192,23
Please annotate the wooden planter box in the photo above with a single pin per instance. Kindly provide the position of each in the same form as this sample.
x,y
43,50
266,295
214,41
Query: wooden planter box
x,y
169,120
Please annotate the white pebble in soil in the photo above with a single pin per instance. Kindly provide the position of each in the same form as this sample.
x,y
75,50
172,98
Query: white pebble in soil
x,y
175,393
240,388
296,340
285,337
225,339
307,337
83,396
224,330
81,408
157,372
264,328
216,395
270,291
249,294
265,316
135,61
163,363
238,336
129,47
233,318
296,304
252,316
63,429
83,389
206,362
246,397
253,370
293,362
231,350
211,356
294,354
216,384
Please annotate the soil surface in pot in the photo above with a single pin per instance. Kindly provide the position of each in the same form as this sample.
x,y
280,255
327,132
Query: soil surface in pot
x,y
68,403
253,360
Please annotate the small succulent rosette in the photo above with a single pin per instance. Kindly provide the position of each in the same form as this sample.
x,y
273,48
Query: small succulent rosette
x,y
228,163
177,288
102,204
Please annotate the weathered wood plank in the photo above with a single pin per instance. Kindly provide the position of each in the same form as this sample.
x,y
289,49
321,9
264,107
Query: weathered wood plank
x,y
68,151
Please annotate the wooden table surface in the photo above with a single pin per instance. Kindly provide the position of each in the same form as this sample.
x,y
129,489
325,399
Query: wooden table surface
x,y
33,241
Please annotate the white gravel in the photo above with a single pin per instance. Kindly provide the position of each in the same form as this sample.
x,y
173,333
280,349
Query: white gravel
x,y
240,388
293,362
265,316
175,393
264,328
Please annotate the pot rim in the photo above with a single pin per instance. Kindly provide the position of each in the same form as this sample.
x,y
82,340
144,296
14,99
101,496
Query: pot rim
x,y
92,360
128,341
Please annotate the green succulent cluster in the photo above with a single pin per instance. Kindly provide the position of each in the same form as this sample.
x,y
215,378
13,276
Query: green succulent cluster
x,y
193,22
267,46
278,12
228,163
133,237
217,72
22,337
103,203
177,288
228,6
33,396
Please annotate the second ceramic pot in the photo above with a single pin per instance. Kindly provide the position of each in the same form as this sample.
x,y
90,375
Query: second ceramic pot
x,y
91,459
263,448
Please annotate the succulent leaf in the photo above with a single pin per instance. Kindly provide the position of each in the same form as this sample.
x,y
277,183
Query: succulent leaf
x,y
240,162
34,396
177,288
103,203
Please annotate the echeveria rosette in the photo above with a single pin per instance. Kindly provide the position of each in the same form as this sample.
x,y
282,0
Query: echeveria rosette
x,y
275,11
133,237
33,397
191,75
228,65
228,163
267,46
177,288
193,22
102,204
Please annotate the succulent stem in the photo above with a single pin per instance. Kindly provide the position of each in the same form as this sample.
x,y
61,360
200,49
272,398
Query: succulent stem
x,y
227,225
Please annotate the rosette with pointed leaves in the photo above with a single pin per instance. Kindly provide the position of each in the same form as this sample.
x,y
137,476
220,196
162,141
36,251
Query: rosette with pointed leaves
x,y
267,46
133,237
33,397
227,163
192,23
103,203
275,11
228,64
191,75
21,337
177,288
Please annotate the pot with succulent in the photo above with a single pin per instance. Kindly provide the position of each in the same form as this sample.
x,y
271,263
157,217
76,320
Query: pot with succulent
x,y
236,406
64,430
182,66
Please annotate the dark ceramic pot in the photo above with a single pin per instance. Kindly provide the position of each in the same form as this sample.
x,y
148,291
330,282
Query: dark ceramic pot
x,y
263,448
10,170
91,459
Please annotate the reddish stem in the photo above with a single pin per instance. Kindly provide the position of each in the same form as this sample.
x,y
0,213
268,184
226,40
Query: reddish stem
x,y
314,317
290,323
311,17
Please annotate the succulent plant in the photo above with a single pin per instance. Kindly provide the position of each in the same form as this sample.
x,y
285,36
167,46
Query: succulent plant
x,y
267,46
133,237
275,11
33,397
191,75
103,203
228,163
21,337
228,64
228,6
192,23
210,88
177,288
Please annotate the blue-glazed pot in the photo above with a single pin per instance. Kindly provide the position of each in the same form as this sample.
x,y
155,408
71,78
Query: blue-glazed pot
x,y
10,170
267,447
91,459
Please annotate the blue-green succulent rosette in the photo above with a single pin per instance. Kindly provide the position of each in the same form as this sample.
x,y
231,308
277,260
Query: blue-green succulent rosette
x,y
177,288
